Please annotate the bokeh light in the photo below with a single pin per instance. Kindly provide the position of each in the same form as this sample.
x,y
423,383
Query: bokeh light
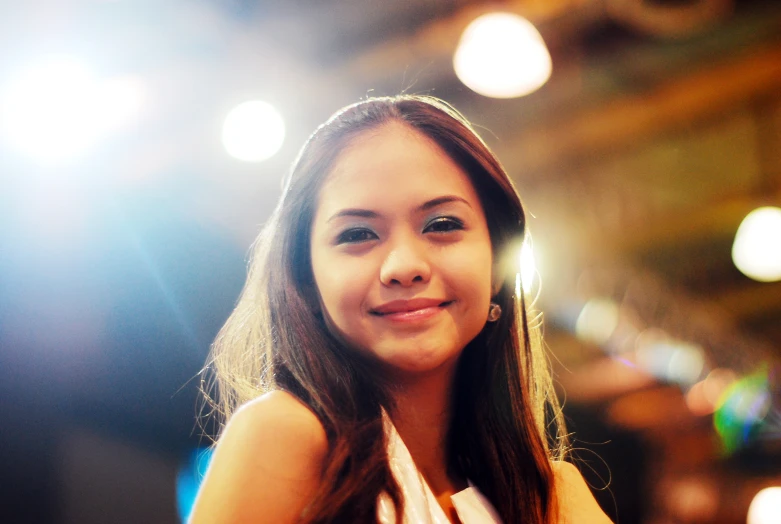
x,y
756,251
705,397
765,508
686,364
692,499
717,383
669,359
597,321
58,110
253,131
502,55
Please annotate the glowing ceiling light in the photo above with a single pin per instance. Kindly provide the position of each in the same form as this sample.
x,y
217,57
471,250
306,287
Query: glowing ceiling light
x,y
766,507
756,251
502,55
253,131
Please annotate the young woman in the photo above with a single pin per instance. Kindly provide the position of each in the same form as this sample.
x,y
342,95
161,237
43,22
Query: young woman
x,y
381,352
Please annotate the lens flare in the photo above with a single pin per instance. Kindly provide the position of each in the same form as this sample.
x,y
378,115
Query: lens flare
x,y
189,479
528,266
57,110
743,409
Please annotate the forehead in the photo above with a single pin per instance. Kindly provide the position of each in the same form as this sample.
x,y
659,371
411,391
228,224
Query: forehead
x,y
393,165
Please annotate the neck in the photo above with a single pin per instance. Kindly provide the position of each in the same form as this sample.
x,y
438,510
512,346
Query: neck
x,y
422,417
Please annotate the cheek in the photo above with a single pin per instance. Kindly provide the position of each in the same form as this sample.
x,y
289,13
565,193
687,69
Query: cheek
x,y
341,286
472,273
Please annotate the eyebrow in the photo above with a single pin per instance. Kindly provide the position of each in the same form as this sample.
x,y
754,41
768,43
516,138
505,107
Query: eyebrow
x,y
430,204
442,200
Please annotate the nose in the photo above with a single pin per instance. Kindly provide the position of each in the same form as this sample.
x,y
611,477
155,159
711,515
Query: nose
x,y
405,264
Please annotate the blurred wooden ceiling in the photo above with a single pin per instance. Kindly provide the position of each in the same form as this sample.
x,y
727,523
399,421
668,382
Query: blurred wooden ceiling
x,y
659,130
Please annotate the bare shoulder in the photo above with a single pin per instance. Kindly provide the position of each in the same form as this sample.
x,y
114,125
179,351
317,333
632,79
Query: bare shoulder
x,y
279,425
576,502
267,463
280,413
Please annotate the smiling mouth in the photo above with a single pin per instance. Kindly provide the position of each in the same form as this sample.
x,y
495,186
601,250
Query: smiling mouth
x,y
411,310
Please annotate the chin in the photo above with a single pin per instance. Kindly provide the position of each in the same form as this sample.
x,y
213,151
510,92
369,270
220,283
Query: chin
x,y
421,361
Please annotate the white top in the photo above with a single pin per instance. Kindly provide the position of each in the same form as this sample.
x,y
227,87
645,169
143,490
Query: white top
x,y
420,505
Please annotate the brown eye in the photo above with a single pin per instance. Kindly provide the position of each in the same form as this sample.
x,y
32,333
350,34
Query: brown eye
x,y
444,225
356,236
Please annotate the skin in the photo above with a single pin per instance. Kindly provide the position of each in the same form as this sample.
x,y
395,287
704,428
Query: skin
x,y
393,227
266,466
397,220
426,237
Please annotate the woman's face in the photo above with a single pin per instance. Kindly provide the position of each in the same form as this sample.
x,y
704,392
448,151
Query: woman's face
x,y
401,252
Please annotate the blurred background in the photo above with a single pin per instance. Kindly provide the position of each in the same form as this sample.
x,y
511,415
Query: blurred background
x,y
143,143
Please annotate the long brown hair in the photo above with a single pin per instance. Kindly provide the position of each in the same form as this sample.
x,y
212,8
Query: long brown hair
x,y
506,425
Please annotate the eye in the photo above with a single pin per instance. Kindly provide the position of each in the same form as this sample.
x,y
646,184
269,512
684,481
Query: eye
x,y
444,225
356,236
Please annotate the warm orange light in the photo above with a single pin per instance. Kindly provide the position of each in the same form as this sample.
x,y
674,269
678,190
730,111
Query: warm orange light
x,y
502,55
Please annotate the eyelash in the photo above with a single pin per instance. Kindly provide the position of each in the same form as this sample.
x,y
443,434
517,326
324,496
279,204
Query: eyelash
x,y
359,235
452,223
348,237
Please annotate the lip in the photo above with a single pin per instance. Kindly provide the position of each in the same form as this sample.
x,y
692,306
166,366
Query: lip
x,y
410,310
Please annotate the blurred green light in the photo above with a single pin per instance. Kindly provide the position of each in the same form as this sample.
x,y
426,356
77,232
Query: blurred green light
x,y
742,410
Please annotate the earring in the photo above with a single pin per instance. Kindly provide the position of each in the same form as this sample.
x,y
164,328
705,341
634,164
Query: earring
x,y
494,312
